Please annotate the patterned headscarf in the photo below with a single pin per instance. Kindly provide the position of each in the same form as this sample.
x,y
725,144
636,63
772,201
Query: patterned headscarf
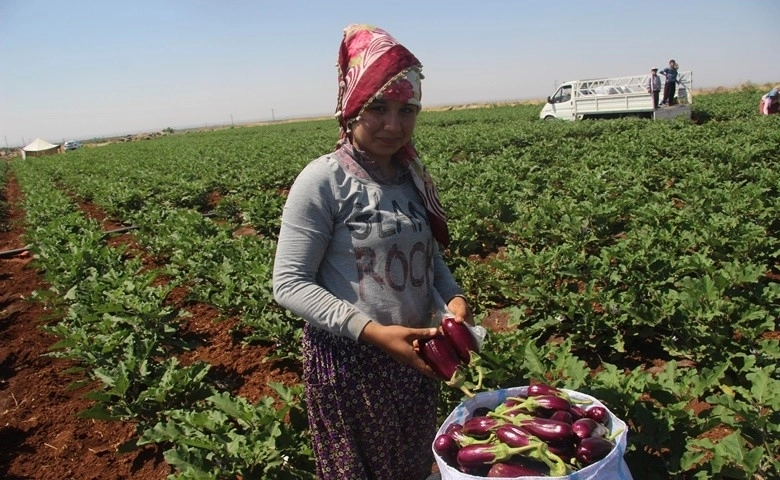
x,y
372,65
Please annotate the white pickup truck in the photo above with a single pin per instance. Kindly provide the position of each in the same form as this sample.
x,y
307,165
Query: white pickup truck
x,y
616,97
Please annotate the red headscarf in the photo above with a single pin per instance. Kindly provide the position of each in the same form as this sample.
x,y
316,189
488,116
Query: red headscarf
x,y
372,64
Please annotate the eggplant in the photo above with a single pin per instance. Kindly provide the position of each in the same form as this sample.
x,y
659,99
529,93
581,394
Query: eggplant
x,y
474,470
510,469
536,406
513,435
480,411
488,454
512,407
564,416
577,412
536,389
460,336
543,389
597,413
475,455
565,450
587,427
547,402
512,402
439,354
447,448
535,449
480,427
547,430
452,428
592,449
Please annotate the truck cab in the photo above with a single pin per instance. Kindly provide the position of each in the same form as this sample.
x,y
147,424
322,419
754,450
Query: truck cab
x,y
560,104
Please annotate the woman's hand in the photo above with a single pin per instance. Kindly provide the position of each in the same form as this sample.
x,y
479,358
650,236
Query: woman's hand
x,y
460,310
401,343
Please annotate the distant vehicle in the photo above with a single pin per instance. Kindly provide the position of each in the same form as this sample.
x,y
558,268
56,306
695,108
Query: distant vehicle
x,y
614,98
73,145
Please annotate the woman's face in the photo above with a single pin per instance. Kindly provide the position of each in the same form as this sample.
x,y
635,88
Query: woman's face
x,y
383,128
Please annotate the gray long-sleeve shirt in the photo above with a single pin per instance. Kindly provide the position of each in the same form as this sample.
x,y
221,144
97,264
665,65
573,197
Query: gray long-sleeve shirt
x,y
352,251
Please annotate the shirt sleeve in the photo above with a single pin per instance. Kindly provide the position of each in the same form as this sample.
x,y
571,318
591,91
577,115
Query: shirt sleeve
x,y
307,225
443,280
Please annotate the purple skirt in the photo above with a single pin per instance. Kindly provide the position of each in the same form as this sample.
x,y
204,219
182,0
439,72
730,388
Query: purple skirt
x,y
370,416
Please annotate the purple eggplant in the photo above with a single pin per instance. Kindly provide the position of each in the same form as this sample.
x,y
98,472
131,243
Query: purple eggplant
x,y
452,428
550,403
587,427
577,412
474,470
480,412
513,435
460,336
512,402
547,430
597,413
488,454
439,354
447,448
512,407
480,427
592,449
510,469
536,406
564,416
565,450
536,389
543,389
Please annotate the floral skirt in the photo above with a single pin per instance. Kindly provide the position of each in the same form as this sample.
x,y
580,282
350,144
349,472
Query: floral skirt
x,y
370,417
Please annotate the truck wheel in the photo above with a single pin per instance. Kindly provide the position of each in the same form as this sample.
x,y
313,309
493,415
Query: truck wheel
x,y
548,118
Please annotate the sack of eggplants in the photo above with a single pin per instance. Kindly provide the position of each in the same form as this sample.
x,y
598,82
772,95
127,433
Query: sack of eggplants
x,y
531,432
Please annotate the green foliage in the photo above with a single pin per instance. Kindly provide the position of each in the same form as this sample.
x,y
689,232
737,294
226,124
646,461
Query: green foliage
x,y
605,244
227,437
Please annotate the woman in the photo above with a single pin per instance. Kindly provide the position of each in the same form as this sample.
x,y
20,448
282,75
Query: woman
x,y
358,259
770,103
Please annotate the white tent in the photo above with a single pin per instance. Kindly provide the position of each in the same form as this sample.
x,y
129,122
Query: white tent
x,y
38,148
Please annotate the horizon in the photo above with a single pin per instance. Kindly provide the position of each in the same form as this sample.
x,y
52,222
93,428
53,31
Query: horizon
x,y
104,71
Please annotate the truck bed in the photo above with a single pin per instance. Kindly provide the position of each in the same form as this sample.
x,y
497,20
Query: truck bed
x,y
615,103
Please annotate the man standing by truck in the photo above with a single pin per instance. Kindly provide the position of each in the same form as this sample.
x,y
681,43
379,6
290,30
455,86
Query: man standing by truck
x,y
654,86
670,86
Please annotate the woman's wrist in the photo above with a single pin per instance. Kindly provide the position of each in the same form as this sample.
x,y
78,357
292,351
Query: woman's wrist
x,y
461,296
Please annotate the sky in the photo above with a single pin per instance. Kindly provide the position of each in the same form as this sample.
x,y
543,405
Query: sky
x,y
84,69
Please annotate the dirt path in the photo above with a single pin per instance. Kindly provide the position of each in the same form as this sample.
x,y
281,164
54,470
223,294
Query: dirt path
x,y
40,436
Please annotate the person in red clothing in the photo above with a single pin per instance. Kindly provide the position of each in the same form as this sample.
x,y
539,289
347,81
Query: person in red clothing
x,y
770,103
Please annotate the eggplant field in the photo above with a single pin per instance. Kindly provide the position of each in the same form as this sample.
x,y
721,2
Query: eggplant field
x,y
634,261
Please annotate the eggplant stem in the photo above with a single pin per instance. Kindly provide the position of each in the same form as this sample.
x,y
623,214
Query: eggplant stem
x,y
614,435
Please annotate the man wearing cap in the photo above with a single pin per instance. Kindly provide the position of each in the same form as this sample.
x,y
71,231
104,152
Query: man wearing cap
x,y
654,86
